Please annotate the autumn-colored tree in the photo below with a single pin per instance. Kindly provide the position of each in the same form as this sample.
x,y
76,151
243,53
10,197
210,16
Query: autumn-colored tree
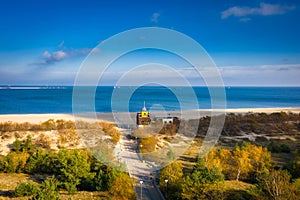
x,y
121,187
296,187
173,174
276,185
243,162
222,159
260,159
219,158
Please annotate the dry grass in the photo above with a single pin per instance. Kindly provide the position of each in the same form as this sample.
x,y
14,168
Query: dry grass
x,y
188,159
85,195
56,134
8,183
237,185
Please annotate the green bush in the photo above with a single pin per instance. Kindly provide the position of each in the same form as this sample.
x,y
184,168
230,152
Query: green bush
x,y
203,183
276,148
101,181
293,168
42,162
17,145
22,146
73,166
48,190
26,189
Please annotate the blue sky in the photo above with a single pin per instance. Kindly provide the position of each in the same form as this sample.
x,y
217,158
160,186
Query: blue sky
x,y
252,42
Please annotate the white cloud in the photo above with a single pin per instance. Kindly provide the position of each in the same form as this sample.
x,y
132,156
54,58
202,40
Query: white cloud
x,y
46,55
57,56
155,17
264,9
51,57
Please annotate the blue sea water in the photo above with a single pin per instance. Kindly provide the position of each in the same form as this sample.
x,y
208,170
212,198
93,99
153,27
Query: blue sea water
x,y
28,100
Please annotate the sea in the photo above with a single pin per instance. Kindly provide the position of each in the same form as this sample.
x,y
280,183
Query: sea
x,y
45,99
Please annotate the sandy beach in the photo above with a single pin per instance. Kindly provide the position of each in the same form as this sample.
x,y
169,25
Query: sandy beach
x,y
37,118
34,118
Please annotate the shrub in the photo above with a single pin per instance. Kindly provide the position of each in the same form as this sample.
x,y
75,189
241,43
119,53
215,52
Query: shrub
x,y
101,181
21,146
148,144
203,183
48,125
293,168
276,148
48,190
17,145
42,162
73,165
26,189
110,129
14,162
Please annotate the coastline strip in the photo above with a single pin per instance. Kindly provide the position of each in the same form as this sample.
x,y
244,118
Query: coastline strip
x,y
38,118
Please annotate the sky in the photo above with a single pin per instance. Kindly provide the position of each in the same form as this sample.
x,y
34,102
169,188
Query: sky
x,y
252,43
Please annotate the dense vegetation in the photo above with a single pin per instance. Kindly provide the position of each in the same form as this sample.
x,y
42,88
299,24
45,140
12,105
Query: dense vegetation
x,y
248,163
71,170
68,170
259,123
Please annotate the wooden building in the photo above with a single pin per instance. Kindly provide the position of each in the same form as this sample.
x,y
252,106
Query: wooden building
x,y
143,117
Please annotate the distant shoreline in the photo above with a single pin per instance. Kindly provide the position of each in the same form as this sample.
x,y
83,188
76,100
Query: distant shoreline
x,y
189,114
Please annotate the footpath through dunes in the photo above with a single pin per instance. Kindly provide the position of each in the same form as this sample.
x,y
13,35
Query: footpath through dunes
x,y
141,172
